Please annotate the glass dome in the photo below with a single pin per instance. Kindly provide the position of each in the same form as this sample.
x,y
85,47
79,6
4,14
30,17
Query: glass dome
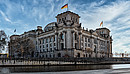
x,y
49,26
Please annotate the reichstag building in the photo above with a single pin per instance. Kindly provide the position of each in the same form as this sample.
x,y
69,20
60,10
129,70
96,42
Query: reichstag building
x,y
64,38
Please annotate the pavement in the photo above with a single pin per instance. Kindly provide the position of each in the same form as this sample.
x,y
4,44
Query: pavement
x,y
101,71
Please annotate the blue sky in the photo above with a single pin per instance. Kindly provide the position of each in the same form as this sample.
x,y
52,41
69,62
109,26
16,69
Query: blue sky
x,y
24,15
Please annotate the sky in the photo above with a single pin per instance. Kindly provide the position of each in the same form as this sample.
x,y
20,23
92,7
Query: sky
x,y
25,15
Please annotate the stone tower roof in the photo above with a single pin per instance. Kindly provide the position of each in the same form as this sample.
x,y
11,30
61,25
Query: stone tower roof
x,y
67,12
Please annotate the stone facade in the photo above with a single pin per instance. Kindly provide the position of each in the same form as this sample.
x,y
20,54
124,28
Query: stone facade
x,y
66,38
24,45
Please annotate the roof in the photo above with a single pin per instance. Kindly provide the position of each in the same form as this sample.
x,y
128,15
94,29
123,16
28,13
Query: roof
x,y
103,28
13,35
67,13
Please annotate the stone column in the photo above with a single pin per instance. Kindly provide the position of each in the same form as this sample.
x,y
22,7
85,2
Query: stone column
x,y
79,40
84,43
56,38
52,43
106,54
73,40
45,44
111,48
64,33
92,43
98,47
59,41
69,39
39,45
48,43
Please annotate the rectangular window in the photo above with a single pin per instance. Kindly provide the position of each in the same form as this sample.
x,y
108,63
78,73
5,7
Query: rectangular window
x,y
59,20
40,47
62,36
36,42
95,41
88,40
62,46
40,41
54,44
50,49
50,45
51,39
47,45
47,40
88,45
75,36
43,46
43,49
43,41
85,39
54,38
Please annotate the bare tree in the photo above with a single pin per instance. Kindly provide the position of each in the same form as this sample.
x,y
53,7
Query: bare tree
x,y
24,47
89,50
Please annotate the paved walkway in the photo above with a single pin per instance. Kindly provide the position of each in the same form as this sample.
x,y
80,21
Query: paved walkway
x,y
103,71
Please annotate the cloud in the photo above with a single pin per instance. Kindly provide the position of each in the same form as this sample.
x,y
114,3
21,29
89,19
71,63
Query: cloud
x,y
116,17
5,17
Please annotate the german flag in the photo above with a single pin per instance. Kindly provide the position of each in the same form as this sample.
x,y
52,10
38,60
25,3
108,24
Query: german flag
x,y
101,23
65,6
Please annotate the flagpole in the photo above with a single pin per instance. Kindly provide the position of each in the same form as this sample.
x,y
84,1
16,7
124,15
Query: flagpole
x,y
67,7
102,25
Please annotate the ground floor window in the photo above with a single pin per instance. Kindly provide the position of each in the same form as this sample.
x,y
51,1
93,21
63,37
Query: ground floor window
x,y
46,55
86,55
59,54
53,55
78,55
89,55
62,45
83,55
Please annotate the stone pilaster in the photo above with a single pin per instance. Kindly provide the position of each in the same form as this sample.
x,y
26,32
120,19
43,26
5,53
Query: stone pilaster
x,y
58,41
56,38
45,44
64,33
83,43
73,40
79,40
52,43
48,43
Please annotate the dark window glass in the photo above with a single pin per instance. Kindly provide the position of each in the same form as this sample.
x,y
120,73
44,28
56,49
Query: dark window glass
x,y
43,41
